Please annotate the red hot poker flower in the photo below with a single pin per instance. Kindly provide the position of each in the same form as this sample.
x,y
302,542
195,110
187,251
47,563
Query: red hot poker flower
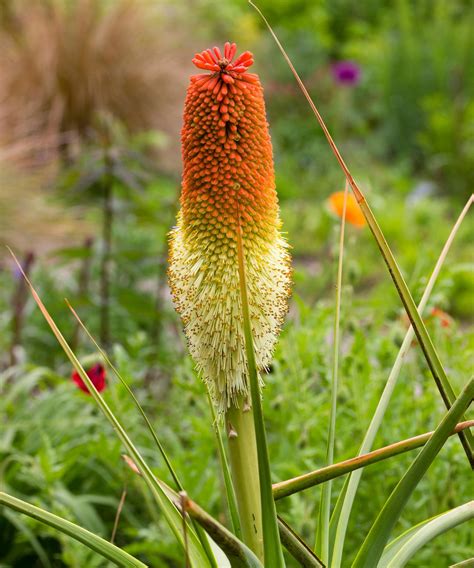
x,y
228,182
96,374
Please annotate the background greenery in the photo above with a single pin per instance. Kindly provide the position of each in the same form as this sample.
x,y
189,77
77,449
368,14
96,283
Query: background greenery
x,y
407,131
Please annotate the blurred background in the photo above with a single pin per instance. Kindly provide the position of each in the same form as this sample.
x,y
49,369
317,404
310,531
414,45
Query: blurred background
x,y
91,98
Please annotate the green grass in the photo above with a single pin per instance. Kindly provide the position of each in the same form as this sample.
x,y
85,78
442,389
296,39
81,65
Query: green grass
x,y
58,452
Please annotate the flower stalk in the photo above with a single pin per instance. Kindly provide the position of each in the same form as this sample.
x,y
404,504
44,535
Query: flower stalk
x,y
322,535
244,466
229,269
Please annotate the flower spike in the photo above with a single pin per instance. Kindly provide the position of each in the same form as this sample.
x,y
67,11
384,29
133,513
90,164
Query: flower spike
x,y
228,184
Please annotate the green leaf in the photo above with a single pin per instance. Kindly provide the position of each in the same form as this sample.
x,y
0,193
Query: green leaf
x,y
139,407
239,555
469,563
345,501
297,547
202,537
92,541
229,488
197,554
290,486
430,353
271,538
400,550
374,544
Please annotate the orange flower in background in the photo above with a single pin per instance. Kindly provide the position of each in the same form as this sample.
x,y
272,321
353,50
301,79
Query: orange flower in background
x,y
445,319
354,214
228,181
435,314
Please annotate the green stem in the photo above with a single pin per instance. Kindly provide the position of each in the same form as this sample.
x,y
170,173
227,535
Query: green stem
x,y
322,537
302,482
244,466
273,552
230,491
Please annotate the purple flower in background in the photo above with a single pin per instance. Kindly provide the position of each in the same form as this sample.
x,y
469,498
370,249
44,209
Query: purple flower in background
x,y
25,266
346,73
16,272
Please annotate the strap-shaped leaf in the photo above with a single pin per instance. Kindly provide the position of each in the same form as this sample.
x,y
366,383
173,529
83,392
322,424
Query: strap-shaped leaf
x,y
400,550
375,542
239,555
199,532
297,547
91,540
468,563
340,518
229,488
194,549
424,339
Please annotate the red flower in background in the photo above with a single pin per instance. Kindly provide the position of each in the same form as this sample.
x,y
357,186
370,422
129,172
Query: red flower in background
x,y
96,374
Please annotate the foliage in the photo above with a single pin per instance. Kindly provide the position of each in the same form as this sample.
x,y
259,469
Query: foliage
x,y
405,124
59,453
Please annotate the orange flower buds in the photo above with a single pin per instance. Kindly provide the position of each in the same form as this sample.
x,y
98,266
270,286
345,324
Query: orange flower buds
x,y
228,181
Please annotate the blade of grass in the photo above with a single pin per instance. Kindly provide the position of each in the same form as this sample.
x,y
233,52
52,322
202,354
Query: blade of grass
x,y
377,538
469,563
229,488
179,486
307,480
271,538
322,536
106,358
118,513
103,547
341,520
169,510
424,339
297,547
399,551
